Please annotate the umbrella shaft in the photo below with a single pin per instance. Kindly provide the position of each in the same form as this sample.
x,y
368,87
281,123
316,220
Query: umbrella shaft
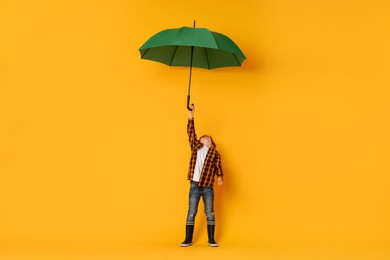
x,y
188,103
192,55
189,83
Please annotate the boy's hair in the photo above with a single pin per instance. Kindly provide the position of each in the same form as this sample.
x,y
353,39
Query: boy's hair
x,y
211,138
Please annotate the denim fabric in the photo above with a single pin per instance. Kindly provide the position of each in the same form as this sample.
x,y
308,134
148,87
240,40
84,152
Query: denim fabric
x,y
207,194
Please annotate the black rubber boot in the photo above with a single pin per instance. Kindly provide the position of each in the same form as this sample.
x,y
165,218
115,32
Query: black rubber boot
x,y
189,233
210,232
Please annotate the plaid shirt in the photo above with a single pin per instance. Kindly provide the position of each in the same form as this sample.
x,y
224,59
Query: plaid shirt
x,y
212,163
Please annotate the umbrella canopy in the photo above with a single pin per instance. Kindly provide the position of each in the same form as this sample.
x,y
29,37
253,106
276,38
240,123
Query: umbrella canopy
x,y
211,50
192,47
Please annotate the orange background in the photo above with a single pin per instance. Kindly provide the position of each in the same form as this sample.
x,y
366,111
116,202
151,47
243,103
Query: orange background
x,y
93,145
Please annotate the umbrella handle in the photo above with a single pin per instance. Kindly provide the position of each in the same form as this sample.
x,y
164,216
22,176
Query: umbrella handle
x,y
188,103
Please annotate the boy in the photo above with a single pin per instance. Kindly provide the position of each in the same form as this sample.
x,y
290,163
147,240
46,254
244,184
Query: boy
x,y
205,164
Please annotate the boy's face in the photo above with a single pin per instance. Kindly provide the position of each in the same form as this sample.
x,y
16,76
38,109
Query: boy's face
x,y
206,141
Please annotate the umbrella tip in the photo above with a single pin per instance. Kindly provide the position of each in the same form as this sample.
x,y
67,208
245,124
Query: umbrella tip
x,y
194,23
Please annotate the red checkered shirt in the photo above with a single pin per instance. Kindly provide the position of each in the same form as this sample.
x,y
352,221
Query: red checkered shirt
x,y
212,163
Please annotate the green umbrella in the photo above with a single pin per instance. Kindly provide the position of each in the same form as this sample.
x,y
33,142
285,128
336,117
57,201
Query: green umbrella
x,y
192,47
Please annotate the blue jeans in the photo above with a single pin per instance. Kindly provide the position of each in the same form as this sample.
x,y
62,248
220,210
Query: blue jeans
x,y
207,193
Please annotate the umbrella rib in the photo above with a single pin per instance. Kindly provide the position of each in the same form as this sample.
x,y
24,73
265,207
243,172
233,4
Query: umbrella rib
x,y
207,58
236,59
145,53
173,56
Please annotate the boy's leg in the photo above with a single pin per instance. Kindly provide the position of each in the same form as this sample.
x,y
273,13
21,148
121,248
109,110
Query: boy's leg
x,y
194,197
208,199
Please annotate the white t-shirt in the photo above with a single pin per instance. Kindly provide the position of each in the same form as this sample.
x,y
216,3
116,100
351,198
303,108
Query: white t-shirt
x,y
201,156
